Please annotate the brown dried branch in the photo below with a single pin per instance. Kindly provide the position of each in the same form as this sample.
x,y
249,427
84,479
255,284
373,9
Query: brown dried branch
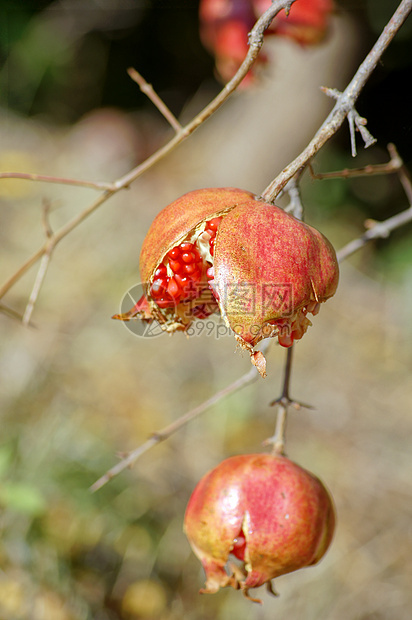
x,y
255,44
395,164
149,91
376,230
28,176
344,105
12,313
159,436
41,274
283,404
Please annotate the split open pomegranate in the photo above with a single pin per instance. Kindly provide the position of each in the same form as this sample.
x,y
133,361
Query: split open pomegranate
x,y
223,249
266,511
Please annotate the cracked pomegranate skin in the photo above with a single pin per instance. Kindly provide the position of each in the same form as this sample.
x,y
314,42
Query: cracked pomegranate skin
x,y
282,513
174,222
224,249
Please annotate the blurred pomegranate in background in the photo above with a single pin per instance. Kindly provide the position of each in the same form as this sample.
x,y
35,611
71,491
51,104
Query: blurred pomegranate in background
x,y
225,25
306,23
271,514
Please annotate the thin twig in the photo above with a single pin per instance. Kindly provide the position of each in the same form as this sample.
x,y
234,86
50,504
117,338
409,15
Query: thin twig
x,y
255,44
44,178
149,91
41,274
394,165
283,403
279,438
344,104
383,229
356,123
46,222
159,436
12,313
53,241
380,230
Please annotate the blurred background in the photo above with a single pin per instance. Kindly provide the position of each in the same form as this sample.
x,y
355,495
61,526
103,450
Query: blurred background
x,y
77,389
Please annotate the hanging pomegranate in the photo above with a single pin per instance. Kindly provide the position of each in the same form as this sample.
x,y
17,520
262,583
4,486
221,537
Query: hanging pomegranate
x,y
269,513
223,249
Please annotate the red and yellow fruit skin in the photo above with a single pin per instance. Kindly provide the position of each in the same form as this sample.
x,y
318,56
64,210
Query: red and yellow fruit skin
x,y
270,249
174,222
284,513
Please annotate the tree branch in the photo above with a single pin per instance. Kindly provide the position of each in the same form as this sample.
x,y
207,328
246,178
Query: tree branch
x,y
379,230
149,91
158,436
44,178
344,104
255,44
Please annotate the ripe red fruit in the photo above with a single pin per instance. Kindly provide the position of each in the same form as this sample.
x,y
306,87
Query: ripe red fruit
x,y
225,24
265,510
224,249
306,23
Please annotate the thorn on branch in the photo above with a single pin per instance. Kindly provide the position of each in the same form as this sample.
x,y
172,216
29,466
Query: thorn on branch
x,y
355,120
290,402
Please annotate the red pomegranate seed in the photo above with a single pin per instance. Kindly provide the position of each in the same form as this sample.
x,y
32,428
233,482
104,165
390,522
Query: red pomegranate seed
x,y
188,257
210,273
161,271
173,288
174,253
186,263
239,546
175,266
158,287
213,224
186,246
182,280
190,269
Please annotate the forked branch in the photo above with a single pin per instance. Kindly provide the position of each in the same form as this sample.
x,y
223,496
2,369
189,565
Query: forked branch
x,y
181,133
344,105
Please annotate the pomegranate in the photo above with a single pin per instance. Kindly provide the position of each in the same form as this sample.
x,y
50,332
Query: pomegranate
x,y
271,514
306,22
223,249
225,24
